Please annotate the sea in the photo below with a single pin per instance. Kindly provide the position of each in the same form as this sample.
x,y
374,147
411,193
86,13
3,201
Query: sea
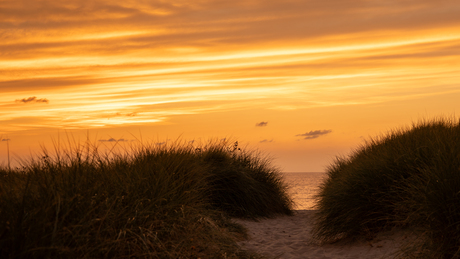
x,y
303,187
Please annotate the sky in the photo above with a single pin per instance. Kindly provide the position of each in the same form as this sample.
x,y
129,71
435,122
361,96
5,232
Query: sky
x,y
302,81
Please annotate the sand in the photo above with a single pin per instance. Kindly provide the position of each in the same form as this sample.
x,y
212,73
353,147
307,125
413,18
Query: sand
x,y
290,237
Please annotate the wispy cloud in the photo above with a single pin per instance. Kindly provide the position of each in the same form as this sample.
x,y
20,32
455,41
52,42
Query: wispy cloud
x,y
266,141
262,124
114,140
130,114
32,99
314,134
6,139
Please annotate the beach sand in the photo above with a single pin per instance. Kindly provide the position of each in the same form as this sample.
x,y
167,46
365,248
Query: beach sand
x,y
289,237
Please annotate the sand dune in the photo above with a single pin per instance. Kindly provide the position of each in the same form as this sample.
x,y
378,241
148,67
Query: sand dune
x,y
289,237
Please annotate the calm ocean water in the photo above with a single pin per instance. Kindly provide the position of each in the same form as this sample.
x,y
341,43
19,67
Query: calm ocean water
x,y
303,187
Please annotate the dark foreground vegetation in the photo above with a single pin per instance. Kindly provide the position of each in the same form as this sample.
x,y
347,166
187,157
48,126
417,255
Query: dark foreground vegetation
x,y
151,202
409,177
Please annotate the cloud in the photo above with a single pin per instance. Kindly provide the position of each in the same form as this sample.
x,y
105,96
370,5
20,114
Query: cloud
x,y
6,139
32,99
314,134
132,114
262,124
266,141
114,140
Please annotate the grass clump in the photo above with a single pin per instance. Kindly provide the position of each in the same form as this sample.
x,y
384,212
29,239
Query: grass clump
x,y
244,184
152,202
409,177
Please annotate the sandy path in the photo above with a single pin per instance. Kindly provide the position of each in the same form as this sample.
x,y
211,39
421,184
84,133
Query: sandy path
x,y
289,237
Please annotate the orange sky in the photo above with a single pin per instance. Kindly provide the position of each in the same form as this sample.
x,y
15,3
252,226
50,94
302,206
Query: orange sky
x,y
302,80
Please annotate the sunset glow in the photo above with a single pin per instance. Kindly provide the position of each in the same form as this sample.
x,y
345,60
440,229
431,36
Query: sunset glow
x,y
304,81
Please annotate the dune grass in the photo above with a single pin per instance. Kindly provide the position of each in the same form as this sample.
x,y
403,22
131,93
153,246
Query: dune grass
x,y
171,201
409,177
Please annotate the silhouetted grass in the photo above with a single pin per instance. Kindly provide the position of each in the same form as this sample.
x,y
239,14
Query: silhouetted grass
x,y
152,202
410,177
244,184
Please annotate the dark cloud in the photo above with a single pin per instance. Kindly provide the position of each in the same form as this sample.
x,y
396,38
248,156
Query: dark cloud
x,y
314,134
262,124
32,99
113,140
266,141
6,139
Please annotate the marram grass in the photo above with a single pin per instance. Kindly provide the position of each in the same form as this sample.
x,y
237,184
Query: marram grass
x,y
172,201
409,177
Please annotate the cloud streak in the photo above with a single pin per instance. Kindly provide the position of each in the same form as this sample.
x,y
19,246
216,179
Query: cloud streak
x,y
266,141
32,100
114,140
314,134
262,124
